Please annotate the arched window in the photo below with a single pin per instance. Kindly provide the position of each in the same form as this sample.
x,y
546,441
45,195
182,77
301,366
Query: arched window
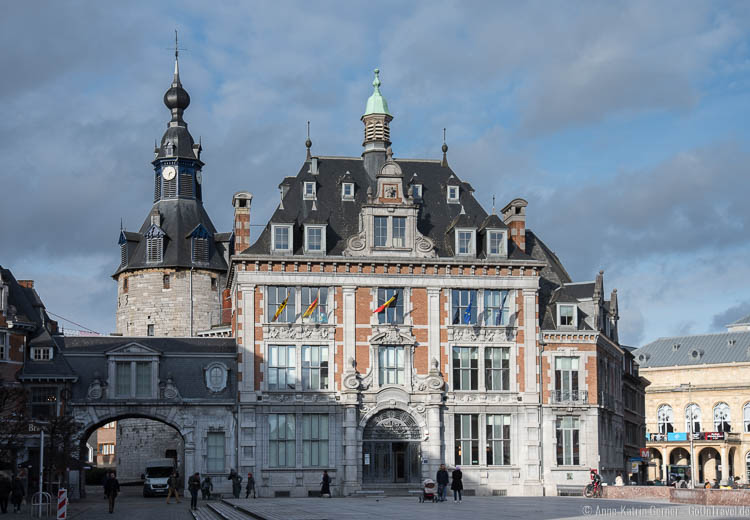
x,y
693,412
722,419
746,417
665,419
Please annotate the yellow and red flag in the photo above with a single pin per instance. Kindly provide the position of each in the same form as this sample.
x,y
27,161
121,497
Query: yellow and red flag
x,y
281,308
311,307
383,307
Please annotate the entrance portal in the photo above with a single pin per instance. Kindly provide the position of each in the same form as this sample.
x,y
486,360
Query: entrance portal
x,y
391,448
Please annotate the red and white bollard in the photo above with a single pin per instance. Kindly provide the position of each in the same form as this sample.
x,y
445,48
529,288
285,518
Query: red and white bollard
x,y
62,504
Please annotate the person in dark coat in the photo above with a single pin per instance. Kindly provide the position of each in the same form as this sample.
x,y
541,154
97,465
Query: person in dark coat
x,y
250,487
5,488
111,489
442,480
194,485
236,483
16,494
457,485
325,485
206,488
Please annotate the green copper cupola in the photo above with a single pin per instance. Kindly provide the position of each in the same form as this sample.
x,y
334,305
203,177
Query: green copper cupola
x,y
376,119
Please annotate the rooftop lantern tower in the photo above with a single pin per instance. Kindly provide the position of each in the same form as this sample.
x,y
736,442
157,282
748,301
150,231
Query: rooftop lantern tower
x,y
377,120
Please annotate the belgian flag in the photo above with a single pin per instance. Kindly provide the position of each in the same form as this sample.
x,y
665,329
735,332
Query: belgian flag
x,y
281,308
387,304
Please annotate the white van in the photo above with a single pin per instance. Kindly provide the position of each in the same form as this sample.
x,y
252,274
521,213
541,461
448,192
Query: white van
x,y
155,478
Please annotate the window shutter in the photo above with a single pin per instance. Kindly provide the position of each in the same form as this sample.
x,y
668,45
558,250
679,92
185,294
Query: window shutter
x,y
124,253
154,250
157,187
186,185
200,249
170,189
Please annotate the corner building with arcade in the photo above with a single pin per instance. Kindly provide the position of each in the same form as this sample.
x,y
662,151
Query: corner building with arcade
x,y
387,323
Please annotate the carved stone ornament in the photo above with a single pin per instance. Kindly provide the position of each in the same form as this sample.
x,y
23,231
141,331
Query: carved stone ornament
x,y
424,246
481,334
356,244
392,336
431,382
351,381
169,390
300,331
392,425
96,389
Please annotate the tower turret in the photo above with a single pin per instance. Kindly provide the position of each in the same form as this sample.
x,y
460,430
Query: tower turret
x,y
377,120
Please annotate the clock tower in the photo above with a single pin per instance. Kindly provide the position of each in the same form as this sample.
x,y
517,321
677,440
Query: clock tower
x,y
171,272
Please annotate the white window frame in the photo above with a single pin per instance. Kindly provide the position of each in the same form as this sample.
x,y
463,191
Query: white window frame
x,y
276,249
575,315
222,459
309,185
347,186
42,353
472,241
322,250
278,442
210,371
387,231
314,440
133,393
453,194
416,191
503,240
289,370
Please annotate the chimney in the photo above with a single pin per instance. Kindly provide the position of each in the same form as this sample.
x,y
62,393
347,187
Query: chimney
x,y
26,284
241,202
514,215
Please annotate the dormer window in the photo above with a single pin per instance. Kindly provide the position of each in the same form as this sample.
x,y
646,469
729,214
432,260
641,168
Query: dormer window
x,y
566,315
315,239
200,250
453,194
281,238
347,191
154,250
309,191
41,353
416,191
496,243
465,242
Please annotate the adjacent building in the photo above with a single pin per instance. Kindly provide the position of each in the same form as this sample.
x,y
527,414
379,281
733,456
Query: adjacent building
x,y
387,323
700,388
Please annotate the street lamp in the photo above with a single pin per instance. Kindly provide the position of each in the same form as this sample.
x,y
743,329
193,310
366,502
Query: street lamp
x,y
691,412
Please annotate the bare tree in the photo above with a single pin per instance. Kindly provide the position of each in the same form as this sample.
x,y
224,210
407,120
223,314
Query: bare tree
x,y
14,423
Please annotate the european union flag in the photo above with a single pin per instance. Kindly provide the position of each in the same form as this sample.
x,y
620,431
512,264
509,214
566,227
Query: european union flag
x,y
467,312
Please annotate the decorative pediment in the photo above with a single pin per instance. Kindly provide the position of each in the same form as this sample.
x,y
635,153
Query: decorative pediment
x,y
299,331
392,336
482,334
133,348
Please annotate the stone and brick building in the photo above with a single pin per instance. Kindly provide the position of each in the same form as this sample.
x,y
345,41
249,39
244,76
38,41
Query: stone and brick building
x,y
485,354
700,386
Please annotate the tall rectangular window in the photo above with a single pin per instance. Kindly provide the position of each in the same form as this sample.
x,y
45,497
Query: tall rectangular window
x,y
498,440
567,430
143,379
314,239
347,191
465,368
467,439
314,440
123,379
497,368
315,367
215,452
496,242
391,365
154,249
399,231
567,314
496,307
464,306
43,402
465,242
282,439
381,231
319,312
200,249
3,343
566,378
282,373
276,297
394,313
281,238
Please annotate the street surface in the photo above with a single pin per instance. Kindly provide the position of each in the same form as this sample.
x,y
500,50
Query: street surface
x,y
131,505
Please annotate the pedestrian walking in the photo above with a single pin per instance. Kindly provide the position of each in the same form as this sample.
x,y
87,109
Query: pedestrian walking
x,y
325,485
236,479
194,485
16,494
111,489
457,485
442,480
250,486
172,487
206,488
5,488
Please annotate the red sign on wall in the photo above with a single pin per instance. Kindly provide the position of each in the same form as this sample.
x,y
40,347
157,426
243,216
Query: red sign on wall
x,y
644,453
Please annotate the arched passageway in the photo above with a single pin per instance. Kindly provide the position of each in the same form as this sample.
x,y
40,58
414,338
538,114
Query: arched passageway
x,y
391,448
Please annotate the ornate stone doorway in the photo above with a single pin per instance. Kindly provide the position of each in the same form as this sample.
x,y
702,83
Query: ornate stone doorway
x,y
391,448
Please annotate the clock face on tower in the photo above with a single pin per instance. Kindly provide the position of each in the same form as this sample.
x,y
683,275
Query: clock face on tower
x,y
199,177
168,172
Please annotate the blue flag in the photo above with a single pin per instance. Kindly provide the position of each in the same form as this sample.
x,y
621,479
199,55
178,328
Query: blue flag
x,y
467,312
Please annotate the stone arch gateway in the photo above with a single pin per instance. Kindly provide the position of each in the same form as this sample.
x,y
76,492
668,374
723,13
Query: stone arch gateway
x,y
391,448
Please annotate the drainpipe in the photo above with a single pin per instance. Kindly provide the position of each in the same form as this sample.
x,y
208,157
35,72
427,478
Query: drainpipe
x,y
541,413
191,301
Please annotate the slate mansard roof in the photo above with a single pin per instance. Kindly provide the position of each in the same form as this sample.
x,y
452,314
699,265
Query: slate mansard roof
x,y
436,218
182,359
702,349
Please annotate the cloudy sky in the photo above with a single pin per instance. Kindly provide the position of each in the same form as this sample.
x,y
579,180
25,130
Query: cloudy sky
x,y
624,124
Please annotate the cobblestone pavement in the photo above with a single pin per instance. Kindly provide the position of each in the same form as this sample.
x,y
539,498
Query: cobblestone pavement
x,y
481,508
130,505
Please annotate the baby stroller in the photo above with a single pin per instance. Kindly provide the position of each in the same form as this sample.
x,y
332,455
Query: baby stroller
x,y
428,491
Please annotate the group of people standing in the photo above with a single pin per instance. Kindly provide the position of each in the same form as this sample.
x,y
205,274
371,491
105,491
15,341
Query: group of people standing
x,y
12,490
455,480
